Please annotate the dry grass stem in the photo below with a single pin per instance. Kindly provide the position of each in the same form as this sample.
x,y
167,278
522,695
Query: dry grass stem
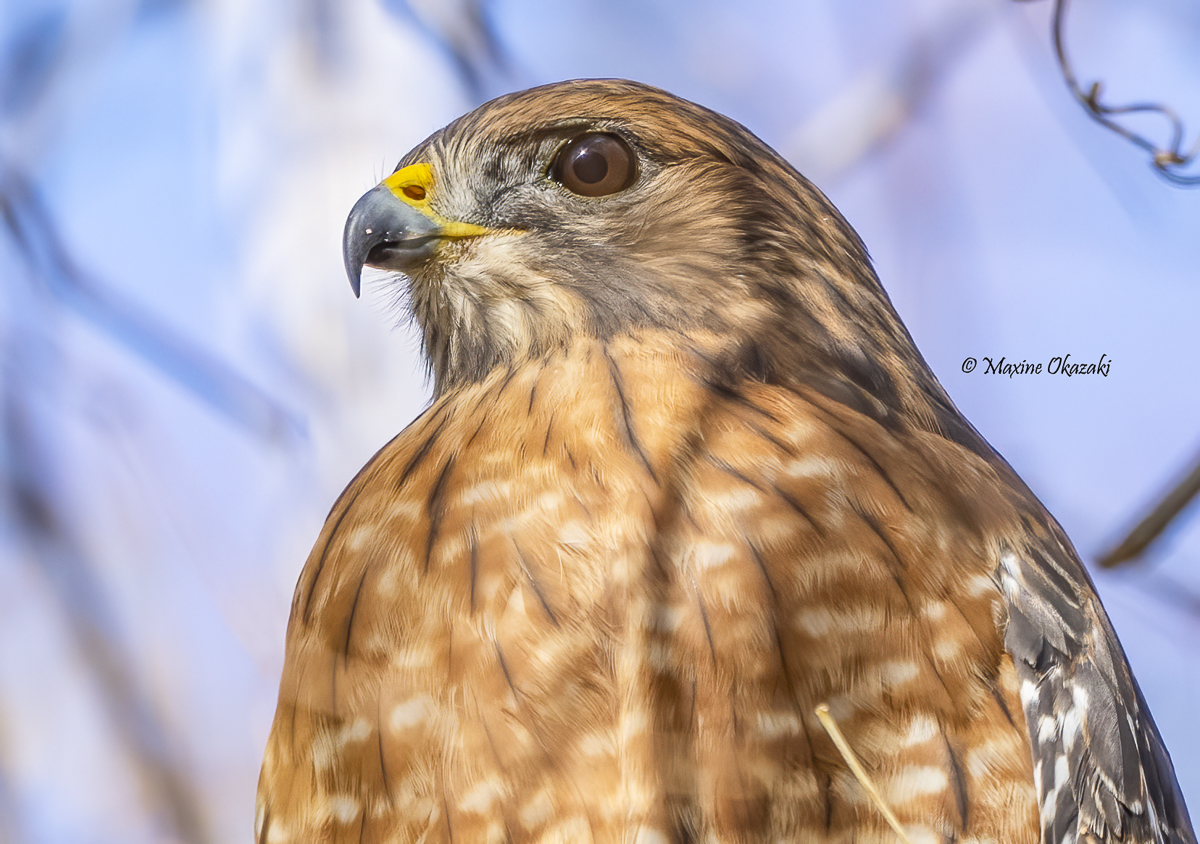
x,y
856,768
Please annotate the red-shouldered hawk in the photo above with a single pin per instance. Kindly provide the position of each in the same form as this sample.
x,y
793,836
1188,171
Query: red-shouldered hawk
x,y
687,509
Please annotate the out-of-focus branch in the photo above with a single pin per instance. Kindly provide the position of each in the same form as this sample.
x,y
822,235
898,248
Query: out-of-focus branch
x,y
215,383
866,114
1152,525
463,29
86,611
56,53
9,822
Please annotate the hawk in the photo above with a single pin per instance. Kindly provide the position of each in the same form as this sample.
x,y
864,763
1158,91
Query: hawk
x,y
690,545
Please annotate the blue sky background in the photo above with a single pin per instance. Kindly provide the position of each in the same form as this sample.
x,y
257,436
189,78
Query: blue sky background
x,y
187,381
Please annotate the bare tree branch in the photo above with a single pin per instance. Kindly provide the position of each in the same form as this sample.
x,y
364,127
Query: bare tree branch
x,y
1159,517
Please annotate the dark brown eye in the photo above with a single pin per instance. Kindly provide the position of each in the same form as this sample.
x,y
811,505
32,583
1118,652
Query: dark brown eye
x,y
594,165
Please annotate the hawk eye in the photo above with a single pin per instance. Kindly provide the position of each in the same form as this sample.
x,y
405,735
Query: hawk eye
x,y
595,164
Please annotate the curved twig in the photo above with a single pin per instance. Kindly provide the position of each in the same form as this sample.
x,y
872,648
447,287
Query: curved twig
x,y
1170,160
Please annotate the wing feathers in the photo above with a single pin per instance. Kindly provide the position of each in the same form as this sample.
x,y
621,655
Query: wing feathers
x,y
1102,772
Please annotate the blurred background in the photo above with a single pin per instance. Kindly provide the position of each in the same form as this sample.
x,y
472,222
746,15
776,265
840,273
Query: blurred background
x,y
187,382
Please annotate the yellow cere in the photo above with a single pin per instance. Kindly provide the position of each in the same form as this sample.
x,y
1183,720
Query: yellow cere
x,y
413,185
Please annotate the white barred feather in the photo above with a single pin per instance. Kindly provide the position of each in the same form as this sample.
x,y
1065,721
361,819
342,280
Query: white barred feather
x,y
1100,767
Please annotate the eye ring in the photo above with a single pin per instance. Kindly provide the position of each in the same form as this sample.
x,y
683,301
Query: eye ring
x,y
595,164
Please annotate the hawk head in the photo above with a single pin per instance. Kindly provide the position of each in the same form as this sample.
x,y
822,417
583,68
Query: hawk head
x,y
598,207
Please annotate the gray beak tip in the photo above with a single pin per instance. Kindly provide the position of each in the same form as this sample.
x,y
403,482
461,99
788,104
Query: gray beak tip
x,y
387,233
355,245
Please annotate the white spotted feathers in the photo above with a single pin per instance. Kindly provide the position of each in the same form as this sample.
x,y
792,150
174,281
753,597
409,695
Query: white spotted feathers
x,y
1099,766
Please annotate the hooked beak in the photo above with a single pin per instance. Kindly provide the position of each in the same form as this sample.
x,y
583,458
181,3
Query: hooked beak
x,y
384,232
393,227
